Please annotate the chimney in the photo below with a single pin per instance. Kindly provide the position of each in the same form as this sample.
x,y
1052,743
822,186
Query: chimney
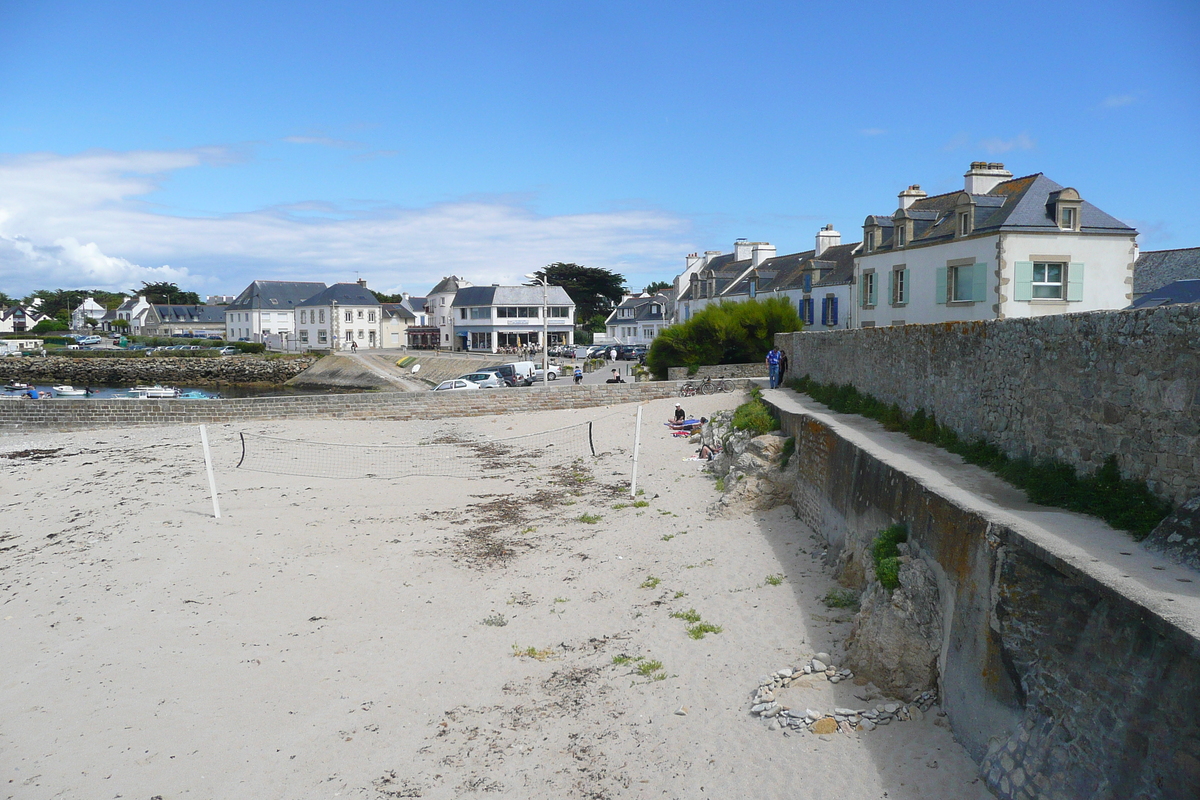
x,y
827,237
761,252
362,282
982,177
911,195
742,250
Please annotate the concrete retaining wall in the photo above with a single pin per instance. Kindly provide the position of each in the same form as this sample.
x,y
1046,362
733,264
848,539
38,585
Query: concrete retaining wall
x,y
93,413
719,371
1058,684
1075,387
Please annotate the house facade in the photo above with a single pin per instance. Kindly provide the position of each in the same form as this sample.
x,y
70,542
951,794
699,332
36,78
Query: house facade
x,y
20,318
498,318
132,312
265,308
1002,247
170,320
638,319
438,312
88,309
340,317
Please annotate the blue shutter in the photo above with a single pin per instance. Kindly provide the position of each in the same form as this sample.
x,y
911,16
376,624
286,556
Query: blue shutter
x,y
979,283
1023,283
833,311
825,312
1075,281
940,289
808,282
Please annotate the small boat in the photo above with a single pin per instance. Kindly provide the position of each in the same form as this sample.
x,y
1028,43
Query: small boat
x,y
17,386
156,391
70,391
195,394
137,394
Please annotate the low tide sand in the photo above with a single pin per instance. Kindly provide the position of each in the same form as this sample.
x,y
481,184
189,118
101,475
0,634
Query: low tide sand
x,y
328,637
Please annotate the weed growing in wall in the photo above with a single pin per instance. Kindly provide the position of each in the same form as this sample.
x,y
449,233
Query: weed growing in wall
x,y
755,415
1125,504
886,554
789,450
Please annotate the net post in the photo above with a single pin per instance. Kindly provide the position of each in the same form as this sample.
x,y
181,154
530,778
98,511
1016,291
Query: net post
x,y
242,436
212,483
591,444
637,440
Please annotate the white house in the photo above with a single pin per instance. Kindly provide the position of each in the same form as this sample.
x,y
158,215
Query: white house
x,y
1001,247
705,277
489,318
638,319
88,309
339,317
438,309
133,311
265,308
21,318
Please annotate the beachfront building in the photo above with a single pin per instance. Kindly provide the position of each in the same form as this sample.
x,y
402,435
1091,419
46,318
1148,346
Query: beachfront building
x,y
21,318
438,312
499,318
196,321
1002,247
265,308
340,317
638,319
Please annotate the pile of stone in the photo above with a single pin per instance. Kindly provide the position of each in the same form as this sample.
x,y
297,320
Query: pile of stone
x,y
843,720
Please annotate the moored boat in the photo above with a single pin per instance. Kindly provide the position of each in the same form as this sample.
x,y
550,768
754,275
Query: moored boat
x,y
155,391
17,386
70,391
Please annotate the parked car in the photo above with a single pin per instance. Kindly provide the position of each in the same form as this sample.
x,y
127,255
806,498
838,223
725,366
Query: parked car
x,y
89,340
457,384
484,380
512,381
597,351
537,373
228,350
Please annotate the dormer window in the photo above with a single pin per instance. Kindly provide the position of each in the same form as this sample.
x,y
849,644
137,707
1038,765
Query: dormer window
x,y
1067,218
964,223
1063,207
901,235
869,244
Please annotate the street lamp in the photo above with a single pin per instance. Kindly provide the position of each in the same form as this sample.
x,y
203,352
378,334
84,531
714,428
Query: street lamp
x,y
545,330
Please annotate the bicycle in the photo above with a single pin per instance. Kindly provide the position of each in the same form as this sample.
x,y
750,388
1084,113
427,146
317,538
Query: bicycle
x,y
687,390
709,386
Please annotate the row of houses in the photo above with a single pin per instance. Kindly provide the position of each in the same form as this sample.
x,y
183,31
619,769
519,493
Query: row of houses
x,y
1001,247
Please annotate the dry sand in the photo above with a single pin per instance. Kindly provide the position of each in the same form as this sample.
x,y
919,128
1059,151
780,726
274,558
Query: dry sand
x,y
327,638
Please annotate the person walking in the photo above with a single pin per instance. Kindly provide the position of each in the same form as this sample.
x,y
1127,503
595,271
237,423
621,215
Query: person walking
x,y
773,366
578,375
353,346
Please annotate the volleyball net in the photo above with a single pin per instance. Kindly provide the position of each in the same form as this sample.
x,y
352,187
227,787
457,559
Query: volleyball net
x,y
445,456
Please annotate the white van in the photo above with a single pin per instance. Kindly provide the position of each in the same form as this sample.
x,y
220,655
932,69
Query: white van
x,y
523,369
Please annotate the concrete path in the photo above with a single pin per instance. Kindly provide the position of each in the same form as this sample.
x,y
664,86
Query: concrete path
x,y
1085,544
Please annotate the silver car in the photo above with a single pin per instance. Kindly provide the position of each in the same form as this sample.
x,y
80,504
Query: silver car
x,y
456,385
484,380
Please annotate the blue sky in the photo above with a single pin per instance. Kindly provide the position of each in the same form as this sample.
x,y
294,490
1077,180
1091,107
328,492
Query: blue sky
x,y
216,143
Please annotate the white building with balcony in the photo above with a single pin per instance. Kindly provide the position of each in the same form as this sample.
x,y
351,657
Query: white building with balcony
x,y
496,318
342,317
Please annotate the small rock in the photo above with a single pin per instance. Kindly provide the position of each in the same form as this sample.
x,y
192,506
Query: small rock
x,y
808,669
825,657
810,714
891,708
774,725
867,725
818,665
836,679
761,707
825,726
772,711
845,712
844,727
786,672
765,696
884,721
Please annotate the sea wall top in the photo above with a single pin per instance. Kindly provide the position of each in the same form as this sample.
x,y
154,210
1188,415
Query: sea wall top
x,y
1074,387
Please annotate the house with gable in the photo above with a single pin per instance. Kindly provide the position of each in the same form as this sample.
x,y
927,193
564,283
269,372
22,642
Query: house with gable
x,y
171,320
88,309
1002,247
21,318
266,308
498,318
639,318
438,310
339,317
133,311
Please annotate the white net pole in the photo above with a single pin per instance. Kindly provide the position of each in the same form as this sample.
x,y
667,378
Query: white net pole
x,y
637,440
212,481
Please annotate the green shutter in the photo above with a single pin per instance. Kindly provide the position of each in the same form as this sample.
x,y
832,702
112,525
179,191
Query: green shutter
x,y
1023,285
875,290
1075,281
906,288
979,283
940,296
891,289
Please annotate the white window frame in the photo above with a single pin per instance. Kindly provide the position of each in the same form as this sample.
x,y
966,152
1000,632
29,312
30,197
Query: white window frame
x,y
1047,285
1068,216
955,285
869,289
899,289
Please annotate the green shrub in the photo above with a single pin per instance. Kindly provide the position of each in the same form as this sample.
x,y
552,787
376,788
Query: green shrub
x,y
885,553
841,598
789,449
755,416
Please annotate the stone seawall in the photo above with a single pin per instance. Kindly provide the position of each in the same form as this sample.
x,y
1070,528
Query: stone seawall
x,y
1074,387
1062,676
730,371
93,413
153,369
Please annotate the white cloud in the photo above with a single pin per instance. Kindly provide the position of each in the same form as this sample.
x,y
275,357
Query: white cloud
x,y
998,146
87,219
1117,100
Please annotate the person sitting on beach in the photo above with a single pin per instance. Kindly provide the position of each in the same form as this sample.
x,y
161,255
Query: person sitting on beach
x,y
708,451
679,417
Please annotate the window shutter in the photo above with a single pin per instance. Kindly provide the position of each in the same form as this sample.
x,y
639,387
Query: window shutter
x,y
833,311
1023,283
1075,281
824,312
979,283
891,288
940,289
808,281
907,287
875,290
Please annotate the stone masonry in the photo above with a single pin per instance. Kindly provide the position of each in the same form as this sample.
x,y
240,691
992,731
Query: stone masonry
x,y
1073,387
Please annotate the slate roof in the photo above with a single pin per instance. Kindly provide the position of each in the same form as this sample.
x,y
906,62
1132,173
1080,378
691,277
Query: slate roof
x,y
344,294
786,273
274,295
1174,293
1018,204
212,315
1157,268
398,310
450,284
643,310
510,296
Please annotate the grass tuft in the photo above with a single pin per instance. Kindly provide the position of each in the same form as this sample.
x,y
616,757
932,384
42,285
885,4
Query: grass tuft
x,y
886,554
698,630
590,519
840,598
650,583
776,579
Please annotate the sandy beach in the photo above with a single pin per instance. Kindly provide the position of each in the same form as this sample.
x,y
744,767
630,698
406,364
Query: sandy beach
x,y
421,637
